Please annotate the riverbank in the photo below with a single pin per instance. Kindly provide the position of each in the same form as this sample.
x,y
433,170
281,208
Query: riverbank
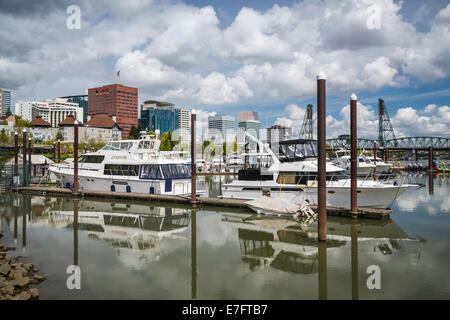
x,y
17,277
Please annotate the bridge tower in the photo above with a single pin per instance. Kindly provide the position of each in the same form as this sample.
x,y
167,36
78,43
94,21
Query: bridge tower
x,y
385,129
306,132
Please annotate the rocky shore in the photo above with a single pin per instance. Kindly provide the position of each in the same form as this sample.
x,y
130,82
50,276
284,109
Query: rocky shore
x,y
16,277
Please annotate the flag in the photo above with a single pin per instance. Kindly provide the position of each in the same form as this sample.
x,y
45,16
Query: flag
x,y
118,73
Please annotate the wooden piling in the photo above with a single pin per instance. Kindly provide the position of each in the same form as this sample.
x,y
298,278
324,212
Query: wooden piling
x,y
59,151
75,155
29,159
16,153
353,157
193,254
54,152
375,160
193,164
430,159
24,156
321,165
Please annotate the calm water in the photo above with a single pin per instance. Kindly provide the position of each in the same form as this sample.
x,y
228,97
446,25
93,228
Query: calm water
x,y
139,251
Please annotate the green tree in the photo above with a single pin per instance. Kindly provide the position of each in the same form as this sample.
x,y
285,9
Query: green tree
x,y
21,123
168,141
59,136
4,137
8,112
224,148
235,146
135,131
205,144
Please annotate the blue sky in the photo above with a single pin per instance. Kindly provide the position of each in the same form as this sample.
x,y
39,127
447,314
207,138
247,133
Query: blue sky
x,y
231,56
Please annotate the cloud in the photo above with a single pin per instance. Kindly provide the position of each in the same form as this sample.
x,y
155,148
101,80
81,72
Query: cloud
x,y
176,51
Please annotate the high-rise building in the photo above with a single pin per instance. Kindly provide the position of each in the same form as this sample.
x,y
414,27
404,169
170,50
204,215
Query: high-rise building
x,y
250,126
115,100
53,111
5,103
278,133
159,116
247,115
82,101
221,128
184,125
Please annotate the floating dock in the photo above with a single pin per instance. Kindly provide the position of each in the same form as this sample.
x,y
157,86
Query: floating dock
x,y
370,213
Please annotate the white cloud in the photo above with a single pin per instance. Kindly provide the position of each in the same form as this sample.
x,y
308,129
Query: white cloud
x,y
176,51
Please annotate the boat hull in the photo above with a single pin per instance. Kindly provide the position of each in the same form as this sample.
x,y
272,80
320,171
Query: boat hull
x,y
370,197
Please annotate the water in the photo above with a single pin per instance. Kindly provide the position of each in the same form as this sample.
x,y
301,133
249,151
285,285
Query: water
x,y
133,250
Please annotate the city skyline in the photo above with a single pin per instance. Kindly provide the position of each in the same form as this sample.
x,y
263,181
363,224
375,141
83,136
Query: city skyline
x,y
241,57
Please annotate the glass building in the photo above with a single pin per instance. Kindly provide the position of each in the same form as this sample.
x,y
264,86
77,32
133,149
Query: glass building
x,y
159,116
82,101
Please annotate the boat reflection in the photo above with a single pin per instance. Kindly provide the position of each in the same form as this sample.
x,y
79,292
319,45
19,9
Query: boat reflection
x,y
282,244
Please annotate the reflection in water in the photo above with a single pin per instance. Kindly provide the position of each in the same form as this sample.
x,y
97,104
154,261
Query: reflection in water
x,y
322,249
134,230
430,183
75,232
354,237
194,254
281,243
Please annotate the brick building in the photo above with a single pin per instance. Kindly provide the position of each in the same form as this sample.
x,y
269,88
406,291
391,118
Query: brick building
x,y
115,100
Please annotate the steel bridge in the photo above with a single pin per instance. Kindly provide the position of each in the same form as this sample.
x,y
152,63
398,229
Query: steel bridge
x,y
405,143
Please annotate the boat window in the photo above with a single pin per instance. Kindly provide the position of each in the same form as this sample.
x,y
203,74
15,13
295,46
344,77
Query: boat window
x,y
121,170
151,171
176,171
90,159
112,146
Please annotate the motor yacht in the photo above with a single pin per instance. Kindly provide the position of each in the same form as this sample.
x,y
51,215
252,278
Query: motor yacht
x,y
293,176
129,166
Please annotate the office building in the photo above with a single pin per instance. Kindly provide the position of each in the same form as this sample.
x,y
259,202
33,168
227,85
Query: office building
x,y
221,128
278,133
52,111
82,101
159,116
5,102
247,115
251,126
184,126
115,100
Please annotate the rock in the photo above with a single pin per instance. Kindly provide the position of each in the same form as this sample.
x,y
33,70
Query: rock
x,y
16,265
3,282
24,295
28,266
9,289
4,269
2,254
39,278
10,248
20,281
1,246
34,293
35,270
1,235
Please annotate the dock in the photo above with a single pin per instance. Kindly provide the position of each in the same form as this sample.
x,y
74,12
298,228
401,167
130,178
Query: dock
x,y
370,213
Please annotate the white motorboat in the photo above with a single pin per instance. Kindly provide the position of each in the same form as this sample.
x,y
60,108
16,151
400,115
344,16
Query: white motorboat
x,y
234,160
364,165
379,163
129,166
295,179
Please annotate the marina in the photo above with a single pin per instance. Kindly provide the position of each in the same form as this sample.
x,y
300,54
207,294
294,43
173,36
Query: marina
x,y
185,252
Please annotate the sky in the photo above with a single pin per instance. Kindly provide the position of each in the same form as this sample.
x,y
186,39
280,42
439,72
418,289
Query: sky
x,y
215,56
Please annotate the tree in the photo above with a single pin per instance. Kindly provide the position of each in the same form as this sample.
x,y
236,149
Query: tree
x,y
168,141
235,147
4,136
8,112
59,136
21,123
205,144
224,148
135,132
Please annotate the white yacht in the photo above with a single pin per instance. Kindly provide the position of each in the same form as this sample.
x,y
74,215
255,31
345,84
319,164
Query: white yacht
x,y
364,165
129,166
379,163
234,160
293,176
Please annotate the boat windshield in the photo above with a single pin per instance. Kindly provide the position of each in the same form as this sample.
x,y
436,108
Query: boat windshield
x,y
294,150
91,159
118,145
